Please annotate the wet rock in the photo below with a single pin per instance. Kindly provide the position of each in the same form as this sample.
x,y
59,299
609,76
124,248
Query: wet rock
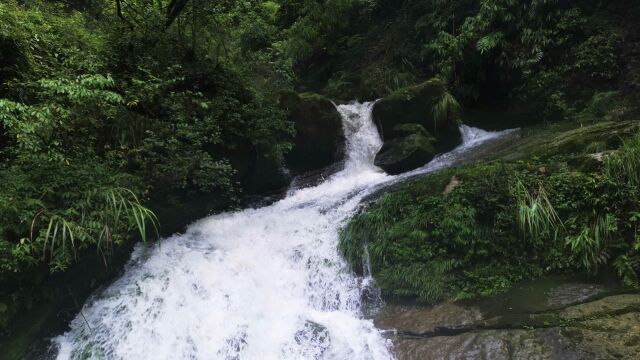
x,y
609,337
605,306
427,320
319,140
487,345
413,148
607,328
315,177
572,293
563,321
317,334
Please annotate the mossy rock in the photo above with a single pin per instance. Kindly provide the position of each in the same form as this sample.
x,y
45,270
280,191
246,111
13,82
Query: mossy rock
x,y
415,105
410,129
413,149
319,140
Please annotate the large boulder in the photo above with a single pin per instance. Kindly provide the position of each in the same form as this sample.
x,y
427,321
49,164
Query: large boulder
x,y
411,148
319,140
428,104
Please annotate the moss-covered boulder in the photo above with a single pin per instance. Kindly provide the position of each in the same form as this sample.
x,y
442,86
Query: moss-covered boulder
x,y
411,148
428,104
319,140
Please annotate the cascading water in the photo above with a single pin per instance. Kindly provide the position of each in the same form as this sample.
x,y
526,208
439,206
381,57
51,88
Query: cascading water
x,y
263,283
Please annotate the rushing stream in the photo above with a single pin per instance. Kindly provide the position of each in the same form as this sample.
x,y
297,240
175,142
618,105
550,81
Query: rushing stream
x,y
259,284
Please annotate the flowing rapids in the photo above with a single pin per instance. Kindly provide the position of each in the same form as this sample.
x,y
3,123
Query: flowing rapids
x,y
260,284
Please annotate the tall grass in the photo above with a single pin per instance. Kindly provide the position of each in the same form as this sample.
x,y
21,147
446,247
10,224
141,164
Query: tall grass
x,y
122,202
537,217
58,232
624,165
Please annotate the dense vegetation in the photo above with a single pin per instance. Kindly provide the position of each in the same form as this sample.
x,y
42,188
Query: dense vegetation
x,y
125,119
548,54
110,109
478,230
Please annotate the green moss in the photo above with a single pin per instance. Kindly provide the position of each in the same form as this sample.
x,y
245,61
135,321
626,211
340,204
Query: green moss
x,y
581,140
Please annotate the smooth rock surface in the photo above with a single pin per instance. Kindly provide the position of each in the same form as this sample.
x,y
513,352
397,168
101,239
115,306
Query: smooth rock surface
x,y
566,321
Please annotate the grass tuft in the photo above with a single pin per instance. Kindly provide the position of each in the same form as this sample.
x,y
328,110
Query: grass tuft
x,y
537,217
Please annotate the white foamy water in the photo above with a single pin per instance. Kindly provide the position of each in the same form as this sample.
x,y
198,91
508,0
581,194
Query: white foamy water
x,y
259,284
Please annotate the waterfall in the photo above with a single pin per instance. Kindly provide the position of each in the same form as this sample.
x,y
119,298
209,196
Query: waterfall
x,y
263,283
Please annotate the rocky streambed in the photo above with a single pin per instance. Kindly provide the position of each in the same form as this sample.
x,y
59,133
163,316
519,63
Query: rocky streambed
x,y
546,319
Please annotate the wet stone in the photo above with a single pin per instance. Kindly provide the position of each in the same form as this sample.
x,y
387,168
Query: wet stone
x,y
603,307
573,293
488,345
545,320
427,320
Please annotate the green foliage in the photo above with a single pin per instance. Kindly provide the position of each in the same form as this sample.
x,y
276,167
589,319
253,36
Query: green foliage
x,y
112,122
103,218
490,41
320,18
433,246
116,119
589,246
428,282
469,242
548,54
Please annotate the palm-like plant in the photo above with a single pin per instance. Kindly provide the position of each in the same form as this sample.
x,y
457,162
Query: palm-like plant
x,y
537,217
105,217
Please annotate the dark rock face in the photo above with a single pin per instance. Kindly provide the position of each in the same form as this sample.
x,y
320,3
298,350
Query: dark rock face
x,y
257,172
412,147
319,140
415,105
